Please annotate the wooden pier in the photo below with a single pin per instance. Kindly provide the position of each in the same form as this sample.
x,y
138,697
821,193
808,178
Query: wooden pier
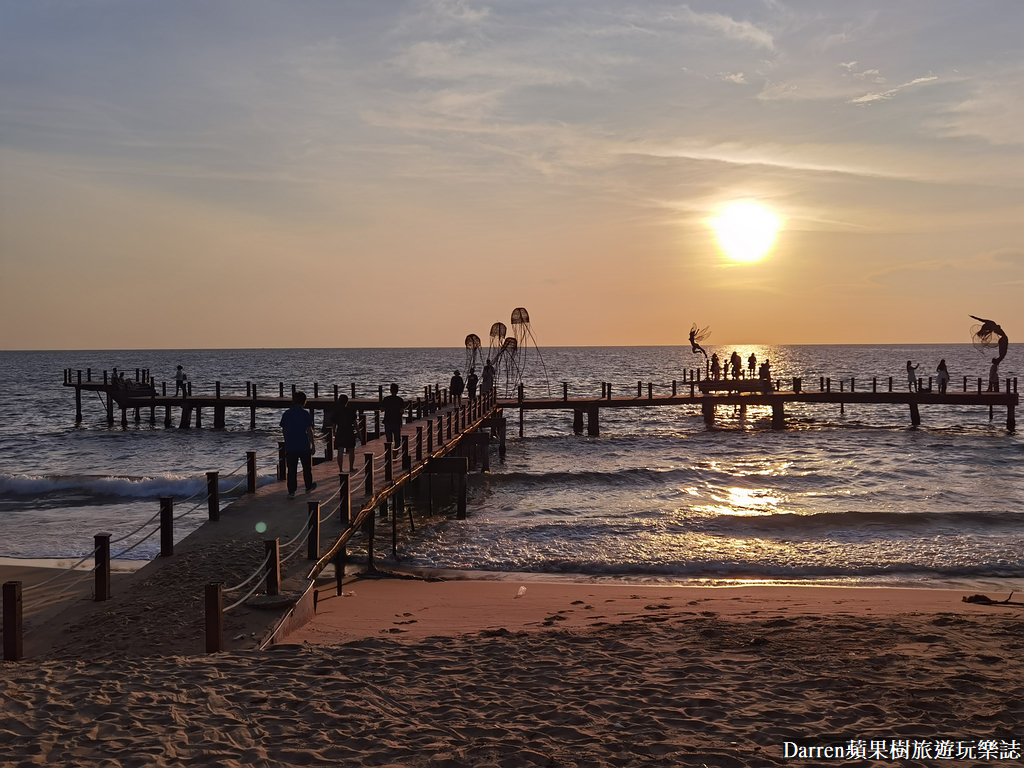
x,y
708,395
705,394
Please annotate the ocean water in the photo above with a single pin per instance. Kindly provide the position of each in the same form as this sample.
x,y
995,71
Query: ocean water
x,y
847,496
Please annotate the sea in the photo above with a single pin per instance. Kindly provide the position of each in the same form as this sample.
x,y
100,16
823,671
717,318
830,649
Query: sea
x,y
851,495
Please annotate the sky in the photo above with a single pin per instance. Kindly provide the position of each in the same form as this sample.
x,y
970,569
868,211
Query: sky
x,y
327,173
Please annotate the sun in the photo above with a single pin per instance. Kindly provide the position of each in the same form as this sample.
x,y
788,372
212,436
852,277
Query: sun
x,y
746,230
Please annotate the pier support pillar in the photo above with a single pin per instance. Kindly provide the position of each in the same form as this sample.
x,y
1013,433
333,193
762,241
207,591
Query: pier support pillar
x,y
915,415
778,415
1011,419
593,421
707,409
577,421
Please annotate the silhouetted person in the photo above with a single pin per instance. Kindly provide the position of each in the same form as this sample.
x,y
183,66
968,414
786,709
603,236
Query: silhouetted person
x,y
911,376
751,364
179,382
716,367
394,408
487,382
456,386
942,374
993,376
344,416
736,363
299,442
471,382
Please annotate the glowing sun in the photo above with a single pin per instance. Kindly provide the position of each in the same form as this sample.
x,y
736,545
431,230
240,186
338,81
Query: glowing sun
x,y
746,231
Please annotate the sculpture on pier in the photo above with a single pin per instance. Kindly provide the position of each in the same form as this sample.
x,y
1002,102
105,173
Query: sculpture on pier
x,y
990,334
472,352
697,335
523,334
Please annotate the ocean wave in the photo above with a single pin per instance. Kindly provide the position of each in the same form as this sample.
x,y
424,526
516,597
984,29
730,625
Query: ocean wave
x,y
113,486
791,522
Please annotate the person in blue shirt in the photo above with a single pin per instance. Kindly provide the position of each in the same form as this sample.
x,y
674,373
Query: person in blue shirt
x,y
297,425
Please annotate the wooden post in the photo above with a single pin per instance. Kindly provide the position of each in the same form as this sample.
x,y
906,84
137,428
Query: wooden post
x,y
281,461
166,526
14,649
565,390
344,499
577,421
915,415
368,469
272,547
252,408
778,415
593,421
78,400
707,408
419,444
371,532
213,495
250,471
388,463
313,530
214,599
101,543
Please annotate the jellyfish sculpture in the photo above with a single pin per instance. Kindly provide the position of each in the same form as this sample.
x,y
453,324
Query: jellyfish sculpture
x,y
472,352
523,334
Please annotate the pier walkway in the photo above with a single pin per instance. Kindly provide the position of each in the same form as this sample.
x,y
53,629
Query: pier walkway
x,y
277,550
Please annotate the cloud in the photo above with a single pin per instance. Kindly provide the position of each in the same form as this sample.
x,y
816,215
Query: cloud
x,y
869,98
728,27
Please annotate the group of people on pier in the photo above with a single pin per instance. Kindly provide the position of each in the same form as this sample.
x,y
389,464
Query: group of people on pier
x,y
734,366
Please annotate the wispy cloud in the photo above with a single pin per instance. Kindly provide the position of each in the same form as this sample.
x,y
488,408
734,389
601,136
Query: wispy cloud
x,y
869,98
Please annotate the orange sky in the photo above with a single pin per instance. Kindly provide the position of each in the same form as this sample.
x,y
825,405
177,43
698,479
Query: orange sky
x,y
196,175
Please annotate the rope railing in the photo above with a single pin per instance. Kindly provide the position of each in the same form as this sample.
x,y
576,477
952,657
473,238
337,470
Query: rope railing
x,y
260,569
63,572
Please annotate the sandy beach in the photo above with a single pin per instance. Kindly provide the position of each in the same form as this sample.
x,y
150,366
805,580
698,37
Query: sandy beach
x,y
431,674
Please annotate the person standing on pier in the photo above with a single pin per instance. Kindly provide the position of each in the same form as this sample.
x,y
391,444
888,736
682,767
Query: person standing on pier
x,y
735,363
487,383
716,367
942,374
394,408
471,382
911,376
456,386
179,382
299,443
343,415
993,375
752,364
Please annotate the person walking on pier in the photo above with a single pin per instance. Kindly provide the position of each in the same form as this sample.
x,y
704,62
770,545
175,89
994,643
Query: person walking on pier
x,y
456,386
179,382
471,382
394,407
343,416
299,442
942,376
911,376
487,382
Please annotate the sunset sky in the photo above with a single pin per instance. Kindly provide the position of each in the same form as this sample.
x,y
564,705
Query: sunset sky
x,y
248,173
